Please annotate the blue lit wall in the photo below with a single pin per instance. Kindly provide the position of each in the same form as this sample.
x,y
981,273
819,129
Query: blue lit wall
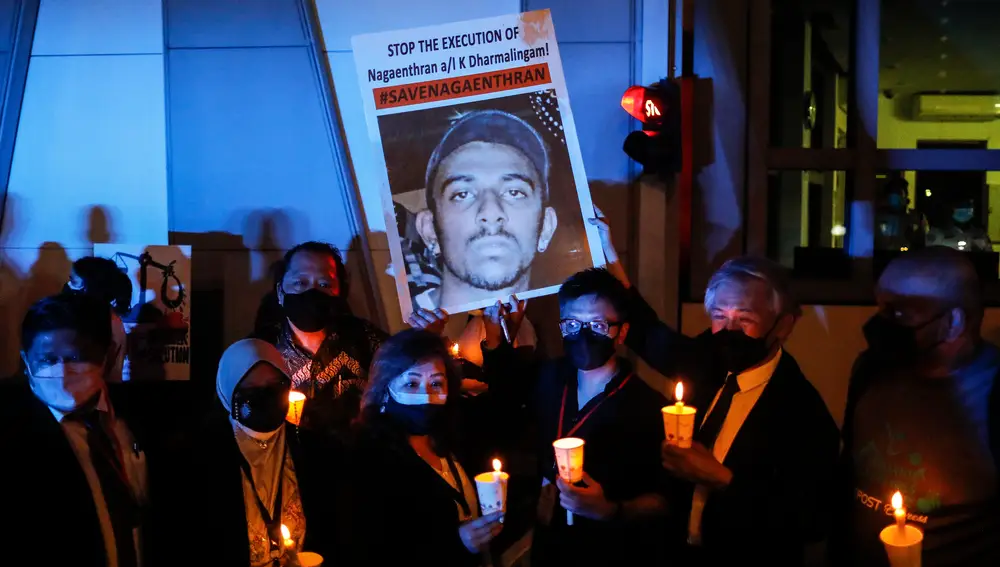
x,y
211,123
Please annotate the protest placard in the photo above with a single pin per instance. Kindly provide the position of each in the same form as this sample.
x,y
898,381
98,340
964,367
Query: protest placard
x,y
158,324
483,187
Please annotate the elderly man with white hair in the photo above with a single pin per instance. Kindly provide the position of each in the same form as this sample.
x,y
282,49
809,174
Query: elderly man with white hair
x,y
756,483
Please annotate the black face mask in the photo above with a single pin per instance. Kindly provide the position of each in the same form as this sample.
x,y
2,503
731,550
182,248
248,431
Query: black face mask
x,y
588,350
313,310
737,351
888,337
422,419
261,409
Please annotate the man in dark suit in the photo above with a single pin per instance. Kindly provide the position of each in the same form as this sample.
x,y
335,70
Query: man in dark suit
x,y
74,477
756,482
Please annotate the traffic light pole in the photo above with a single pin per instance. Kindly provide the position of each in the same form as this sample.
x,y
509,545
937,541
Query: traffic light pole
x,y
684,182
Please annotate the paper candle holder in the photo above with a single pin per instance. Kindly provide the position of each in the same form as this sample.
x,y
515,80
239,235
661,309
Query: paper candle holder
x,y
569,458
903,545
296,402
492,489
310,559
678,424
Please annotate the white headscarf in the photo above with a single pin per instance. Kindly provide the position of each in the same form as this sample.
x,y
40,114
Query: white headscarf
x,y
263,451
238,359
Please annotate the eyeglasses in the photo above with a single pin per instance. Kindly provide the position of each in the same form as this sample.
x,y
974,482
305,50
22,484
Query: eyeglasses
x,y
572,326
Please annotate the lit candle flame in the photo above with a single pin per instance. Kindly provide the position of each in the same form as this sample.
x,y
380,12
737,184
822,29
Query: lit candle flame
x,y
454,350
286,535
496,465
679,391
897,500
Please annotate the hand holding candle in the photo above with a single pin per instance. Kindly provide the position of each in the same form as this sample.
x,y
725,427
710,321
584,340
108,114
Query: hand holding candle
x,y
296,402
492,489
902,542
678,420
569,462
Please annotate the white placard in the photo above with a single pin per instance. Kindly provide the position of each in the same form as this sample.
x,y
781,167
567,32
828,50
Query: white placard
x,y
481,177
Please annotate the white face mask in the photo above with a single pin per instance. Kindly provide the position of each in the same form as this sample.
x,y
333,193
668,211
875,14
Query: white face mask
x,y
415,399
67,385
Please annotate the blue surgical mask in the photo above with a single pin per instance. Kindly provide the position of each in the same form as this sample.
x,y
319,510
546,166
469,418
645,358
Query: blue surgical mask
x,y
962,215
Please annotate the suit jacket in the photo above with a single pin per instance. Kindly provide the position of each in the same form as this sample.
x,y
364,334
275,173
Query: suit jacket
x,y
782,459
204,513
49,509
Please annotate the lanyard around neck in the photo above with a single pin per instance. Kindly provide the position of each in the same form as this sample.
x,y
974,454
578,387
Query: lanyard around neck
x,y
586,416
272,521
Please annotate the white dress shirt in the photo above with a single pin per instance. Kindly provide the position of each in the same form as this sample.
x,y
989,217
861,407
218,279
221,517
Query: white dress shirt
x,y
752,384
134,465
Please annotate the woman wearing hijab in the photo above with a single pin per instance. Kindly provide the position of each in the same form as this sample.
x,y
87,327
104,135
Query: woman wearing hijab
x,y
249,471
412,501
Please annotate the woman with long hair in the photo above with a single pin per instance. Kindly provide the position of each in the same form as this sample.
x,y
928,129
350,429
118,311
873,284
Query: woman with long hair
x,y
412,501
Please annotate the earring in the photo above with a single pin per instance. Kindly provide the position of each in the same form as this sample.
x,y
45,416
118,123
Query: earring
x,y
435,248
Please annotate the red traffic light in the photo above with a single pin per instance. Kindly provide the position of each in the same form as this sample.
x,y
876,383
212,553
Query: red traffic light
x,y
643,104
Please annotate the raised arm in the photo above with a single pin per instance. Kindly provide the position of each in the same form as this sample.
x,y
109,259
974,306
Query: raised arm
x,y
669,352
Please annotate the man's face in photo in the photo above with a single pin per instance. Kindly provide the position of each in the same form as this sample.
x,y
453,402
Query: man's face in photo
x,y
489,218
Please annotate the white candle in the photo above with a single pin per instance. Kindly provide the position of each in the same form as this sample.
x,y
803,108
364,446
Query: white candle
x,y
903,543
496,470
678,420
899,511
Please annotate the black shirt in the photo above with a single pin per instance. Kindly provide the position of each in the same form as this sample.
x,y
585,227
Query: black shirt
x,y
623,431
930,439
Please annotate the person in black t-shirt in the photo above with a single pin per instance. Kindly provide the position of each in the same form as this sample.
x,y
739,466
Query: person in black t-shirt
x,y
922,418
592,394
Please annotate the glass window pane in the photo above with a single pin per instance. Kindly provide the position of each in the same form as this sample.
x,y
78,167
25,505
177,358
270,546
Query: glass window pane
x,y
939,208
810,51
807,222
939,72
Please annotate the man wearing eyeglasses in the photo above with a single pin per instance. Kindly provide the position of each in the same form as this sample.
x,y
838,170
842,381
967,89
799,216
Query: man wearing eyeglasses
x,y
592,394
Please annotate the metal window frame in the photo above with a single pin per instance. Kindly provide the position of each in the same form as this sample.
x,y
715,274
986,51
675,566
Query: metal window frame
x,y
861,160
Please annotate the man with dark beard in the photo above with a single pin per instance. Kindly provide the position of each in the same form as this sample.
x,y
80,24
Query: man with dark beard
x,y
487,208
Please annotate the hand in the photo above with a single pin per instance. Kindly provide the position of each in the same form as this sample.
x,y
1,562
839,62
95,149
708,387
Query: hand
x,y
433,321
696,464
476,534
512,313
614,264
588,501
605,231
